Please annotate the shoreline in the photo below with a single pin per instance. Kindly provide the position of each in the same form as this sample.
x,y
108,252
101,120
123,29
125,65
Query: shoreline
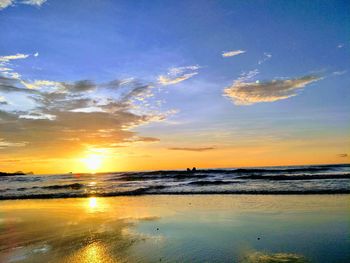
x,y
253,193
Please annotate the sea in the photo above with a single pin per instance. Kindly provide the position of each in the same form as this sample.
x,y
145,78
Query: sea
x,y
310,179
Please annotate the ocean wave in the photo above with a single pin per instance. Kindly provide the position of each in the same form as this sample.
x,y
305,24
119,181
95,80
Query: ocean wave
x,y
215,182
234,171
146,191
330,179
74,186
296,177
159,175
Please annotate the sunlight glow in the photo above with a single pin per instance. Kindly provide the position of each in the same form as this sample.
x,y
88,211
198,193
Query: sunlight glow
x,y
95,205
92,202
93,162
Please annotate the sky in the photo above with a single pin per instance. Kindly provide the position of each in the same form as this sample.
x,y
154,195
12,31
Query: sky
x,y
146,85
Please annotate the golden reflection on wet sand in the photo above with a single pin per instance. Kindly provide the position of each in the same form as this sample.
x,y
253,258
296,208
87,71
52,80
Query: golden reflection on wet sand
x,y
92,253
168,228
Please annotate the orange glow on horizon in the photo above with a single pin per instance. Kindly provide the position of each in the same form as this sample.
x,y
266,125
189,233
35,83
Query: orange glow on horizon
x,y
155,156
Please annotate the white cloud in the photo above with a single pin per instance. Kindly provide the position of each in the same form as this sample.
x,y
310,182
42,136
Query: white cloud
x,y
88,109
5,59
232,53
37,116
247,93
3,101
36,54
44,84
266,57
169,81
339,73
5,3
5,68
245,76
34,2
179,74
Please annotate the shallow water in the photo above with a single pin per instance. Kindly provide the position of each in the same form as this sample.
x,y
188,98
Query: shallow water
x,y
264,180
163,228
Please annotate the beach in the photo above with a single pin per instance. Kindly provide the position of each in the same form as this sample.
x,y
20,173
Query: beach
x,y
174,131
177,228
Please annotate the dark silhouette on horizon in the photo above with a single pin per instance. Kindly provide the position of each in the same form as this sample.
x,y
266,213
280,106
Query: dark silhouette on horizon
x,y
191,171
11,174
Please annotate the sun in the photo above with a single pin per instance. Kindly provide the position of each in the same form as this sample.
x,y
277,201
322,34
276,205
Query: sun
x,y
93,162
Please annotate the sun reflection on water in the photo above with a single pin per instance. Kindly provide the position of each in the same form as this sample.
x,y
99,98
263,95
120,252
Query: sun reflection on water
x,y
93,202
93,253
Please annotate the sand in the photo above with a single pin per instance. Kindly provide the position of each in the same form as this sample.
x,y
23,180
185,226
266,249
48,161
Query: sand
x,y
201,228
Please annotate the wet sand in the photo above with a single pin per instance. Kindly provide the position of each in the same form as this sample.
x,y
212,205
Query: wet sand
x,y
163,228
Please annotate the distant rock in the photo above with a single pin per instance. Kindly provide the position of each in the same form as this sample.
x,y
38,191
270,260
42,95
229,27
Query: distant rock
x,y
12,174
191,170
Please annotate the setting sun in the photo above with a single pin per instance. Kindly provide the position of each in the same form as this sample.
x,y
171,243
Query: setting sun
x,y
93,162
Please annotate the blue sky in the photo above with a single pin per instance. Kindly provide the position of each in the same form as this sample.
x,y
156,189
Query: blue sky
x,y
290,80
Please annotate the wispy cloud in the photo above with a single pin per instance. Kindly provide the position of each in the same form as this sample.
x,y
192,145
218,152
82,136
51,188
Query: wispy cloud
x,y
4,144
342,155
4,59
34,2
7,3
267,56
179,74
192,149
232,53
5,65
339,73
245,92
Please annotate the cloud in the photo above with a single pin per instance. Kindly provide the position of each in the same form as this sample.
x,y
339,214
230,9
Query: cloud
x,y
44,84
34,2
232,53
7,85
79,86
4,59
5,65
37,116
339,73
192,149
168,81
243,92
3,101
342,155
7,3
65,117
5,144
267,56
179,74
69,117
341,45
